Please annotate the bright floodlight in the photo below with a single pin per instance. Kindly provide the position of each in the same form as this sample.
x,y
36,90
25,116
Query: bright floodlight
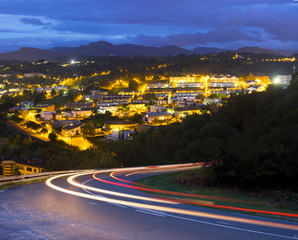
x,y
277,80
72,61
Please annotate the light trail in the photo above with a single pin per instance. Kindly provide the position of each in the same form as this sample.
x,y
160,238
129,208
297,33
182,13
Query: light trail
x,y
168,209
198,196
71,181
112,174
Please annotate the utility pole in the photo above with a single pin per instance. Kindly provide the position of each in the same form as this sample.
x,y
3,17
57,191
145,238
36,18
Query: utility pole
x,y
294,69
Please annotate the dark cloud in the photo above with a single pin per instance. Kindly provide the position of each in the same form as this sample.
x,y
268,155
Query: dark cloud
x,y
184,23
33,21
221,35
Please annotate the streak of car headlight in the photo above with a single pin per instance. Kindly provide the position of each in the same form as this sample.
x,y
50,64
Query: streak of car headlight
x,y
75,183
168,209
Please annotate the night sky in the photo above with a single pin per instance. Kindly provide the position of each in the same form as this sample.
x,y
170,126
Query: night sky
x,y
186,23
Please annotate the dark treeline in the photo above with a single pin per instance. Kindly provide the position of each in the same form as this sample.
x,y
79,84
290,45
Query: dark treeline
x,y
252,142
139,67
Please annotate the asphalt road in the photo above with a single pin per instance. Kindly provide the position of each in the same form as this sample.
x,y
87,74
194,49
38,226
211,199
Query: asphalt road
x,y
36,211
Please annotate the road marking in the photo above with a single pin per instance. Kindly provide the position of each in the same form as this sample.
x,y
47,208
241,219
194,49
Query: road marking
x,y
151,213
118,205
99,195
92,203
230,227
119,194
225,223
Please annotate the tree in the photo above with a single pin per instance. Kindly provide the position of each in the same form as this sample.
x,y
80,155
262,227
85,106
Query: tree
x,y
53,137
133,85
73,94
53,92
33,125
38,96
200,96
44,130
89,129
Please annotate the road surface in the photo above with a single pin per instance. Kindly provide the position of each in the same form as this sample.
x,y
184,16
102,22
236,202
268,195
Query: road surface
x,y
94,207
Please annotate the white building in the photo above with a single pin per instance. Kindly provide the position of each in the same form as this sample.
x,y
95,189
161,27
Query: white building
x,y
156,108
120,135
48,115
107,107
284,80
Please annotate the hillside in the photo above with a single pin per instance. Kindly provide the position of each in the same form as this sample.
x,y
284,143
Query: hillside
x,y
252,141
104,49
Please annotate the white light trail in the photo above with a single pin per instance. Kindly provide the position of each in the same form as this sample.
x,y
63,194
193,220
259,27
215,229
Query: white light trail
x,y
168,209
74,183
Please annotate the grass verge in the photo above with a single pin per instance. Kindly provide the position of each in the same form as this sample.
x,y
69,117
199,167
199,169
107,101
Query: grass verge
x,y
188,182
11,185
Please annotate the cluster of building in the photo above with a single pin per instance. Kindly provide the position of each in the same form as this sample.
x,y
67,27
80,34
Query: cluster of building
x,y
170,101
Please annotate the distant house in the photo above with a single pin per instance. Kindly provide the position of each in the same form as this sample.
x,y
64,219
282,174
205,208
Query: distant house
x,y
79,106
107,107
151,117
47,116
99,92
46,107
120,135
121,99
156,108
26,104
189,110
119,125
161,102
79,114
28,169
72,130
138,106
211,101
29,75
145,128
10,168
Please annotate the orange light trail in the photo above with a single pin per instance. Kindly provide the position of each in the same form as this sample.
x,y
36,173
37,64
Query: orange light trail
x,y
198,196
112,174
73,182
167,209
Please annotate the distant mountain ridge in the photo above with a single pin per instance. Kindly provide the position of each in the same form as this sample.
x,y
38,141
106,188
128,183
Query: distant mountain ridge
x,y
102,49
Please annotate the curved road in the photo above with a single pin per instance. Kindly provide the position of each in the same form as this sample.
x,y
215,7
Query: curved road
x,y
110,207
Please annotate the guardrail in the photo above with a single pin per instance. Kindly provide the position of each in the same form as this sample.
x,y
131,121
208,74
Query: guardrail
x,y
34,176
44,175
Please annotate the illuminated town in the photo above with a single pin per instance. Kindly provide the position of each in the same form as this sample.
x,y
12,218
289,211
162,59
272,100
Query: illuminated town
x,y
170,100
50,106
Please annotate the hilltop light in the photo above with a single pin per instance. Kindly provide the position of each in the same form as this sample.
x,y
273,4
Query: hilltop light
x,y
277,80
72,61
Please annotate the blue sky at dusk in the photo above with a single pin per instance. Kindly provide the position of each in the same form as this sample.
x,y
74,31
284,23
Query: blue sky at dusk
x,y
186,23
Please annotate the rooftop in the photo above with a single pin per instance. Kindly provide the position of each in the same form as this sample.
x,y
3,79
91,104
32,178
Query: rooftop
x,y
156,114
